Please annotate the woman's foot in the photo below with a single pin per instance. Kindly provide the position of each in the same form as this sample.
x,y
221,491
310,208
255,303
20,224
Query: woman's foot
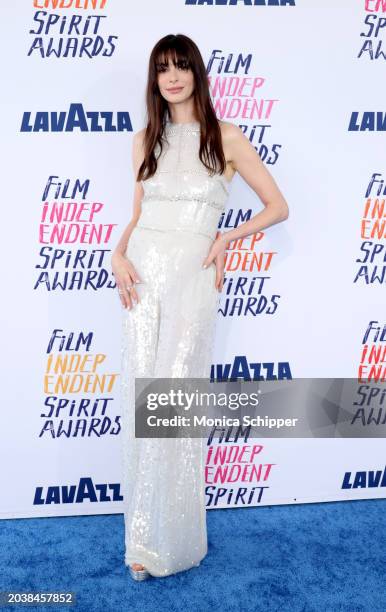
x,y
138,571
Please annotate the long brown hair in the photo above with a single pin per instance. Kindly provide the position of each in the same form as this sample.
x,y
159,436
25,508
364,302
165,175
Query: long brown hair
x,y
184,53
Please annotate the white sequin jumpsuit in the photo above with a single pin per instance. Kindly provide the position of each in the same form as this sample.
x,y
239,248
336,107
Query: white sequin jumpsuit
x,y
170,333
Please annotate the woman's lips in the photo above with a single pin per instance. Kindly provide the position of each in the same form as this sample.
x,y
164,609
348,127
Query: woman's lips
x,y
175,89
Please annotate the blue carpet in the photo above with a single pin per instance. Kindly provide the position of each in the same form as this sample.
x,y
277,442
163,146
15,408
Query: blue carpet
x,y
312,557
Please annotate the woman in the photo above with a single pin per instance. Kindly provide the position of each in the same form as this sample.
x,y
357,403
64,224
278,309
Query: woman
x,y
169,266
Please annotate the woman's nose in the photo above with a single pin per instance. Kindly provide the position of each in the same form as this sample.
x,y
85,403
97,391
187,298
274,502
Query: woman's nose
x,y
173,75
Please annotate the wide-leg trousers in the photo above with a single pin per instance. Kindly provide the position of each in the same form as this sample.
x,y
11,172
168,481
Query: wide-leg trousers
x,y
168,334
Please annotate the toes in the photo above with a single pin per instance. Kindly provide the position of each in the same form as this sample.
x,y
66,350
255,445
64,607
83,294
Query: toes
x,y
137,566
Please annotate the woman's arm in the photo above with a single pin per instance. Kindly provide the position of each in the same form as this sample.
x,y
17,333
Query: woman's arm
x,y
124,271
244,159
137,158
248,163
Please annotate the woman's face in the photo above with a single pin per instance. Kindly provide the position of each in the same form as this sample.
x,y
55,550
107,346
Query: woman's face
x,y
176,83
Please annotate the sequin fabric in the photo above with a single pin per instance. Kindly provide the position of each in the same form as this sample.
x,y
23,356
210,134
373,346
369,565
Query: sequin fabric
x,y
187,198
169,333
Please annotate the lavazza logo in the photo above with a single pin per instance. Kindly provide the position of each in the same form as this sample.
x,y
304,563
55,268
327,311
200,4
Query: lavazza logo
x,y
84,491
366,479
76,118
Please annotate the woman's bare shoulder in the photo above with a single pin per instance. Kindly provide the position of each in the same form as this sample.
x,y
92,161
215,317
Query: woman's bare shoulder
x,y
139,136
138,147
138,150
230,131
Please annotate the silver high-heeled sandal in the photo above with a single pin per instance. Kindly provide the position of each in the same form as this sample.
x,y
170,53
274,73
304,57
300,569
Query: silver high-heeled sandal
x,y
142,574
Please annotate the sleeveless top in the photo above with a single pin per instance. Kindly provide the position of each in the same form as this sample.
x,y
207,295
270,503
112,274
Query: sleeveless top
x,y
182,195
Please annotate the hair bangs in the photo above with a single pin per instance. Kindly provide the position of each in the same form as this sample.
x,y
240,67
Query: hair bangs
x,y
177,53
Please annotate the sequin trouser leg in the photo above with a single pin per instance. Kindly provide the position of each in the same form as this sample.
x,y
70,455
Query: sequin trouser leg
x,y
168,334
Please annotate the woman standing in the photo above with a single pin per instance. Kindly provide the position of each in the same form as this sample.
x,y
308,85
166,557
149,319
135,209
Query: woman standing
x,y
169,266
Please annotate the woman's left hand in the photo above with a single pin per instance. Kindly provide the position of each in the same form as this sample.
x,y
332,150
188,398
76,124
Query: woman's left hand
x,y
217,255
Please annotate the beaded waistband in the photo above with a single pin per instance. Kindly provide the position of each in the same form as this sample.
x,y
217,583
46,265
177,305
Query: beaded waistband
x,y
194,216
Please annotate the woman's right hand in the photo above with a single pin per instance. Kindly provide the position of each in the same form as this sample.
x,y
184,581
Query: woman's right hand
x,y
125,276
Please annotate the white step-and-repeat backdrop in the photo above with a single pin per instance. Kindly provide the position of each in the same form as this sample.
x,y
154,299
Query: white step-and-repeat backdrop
x,y
304,79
